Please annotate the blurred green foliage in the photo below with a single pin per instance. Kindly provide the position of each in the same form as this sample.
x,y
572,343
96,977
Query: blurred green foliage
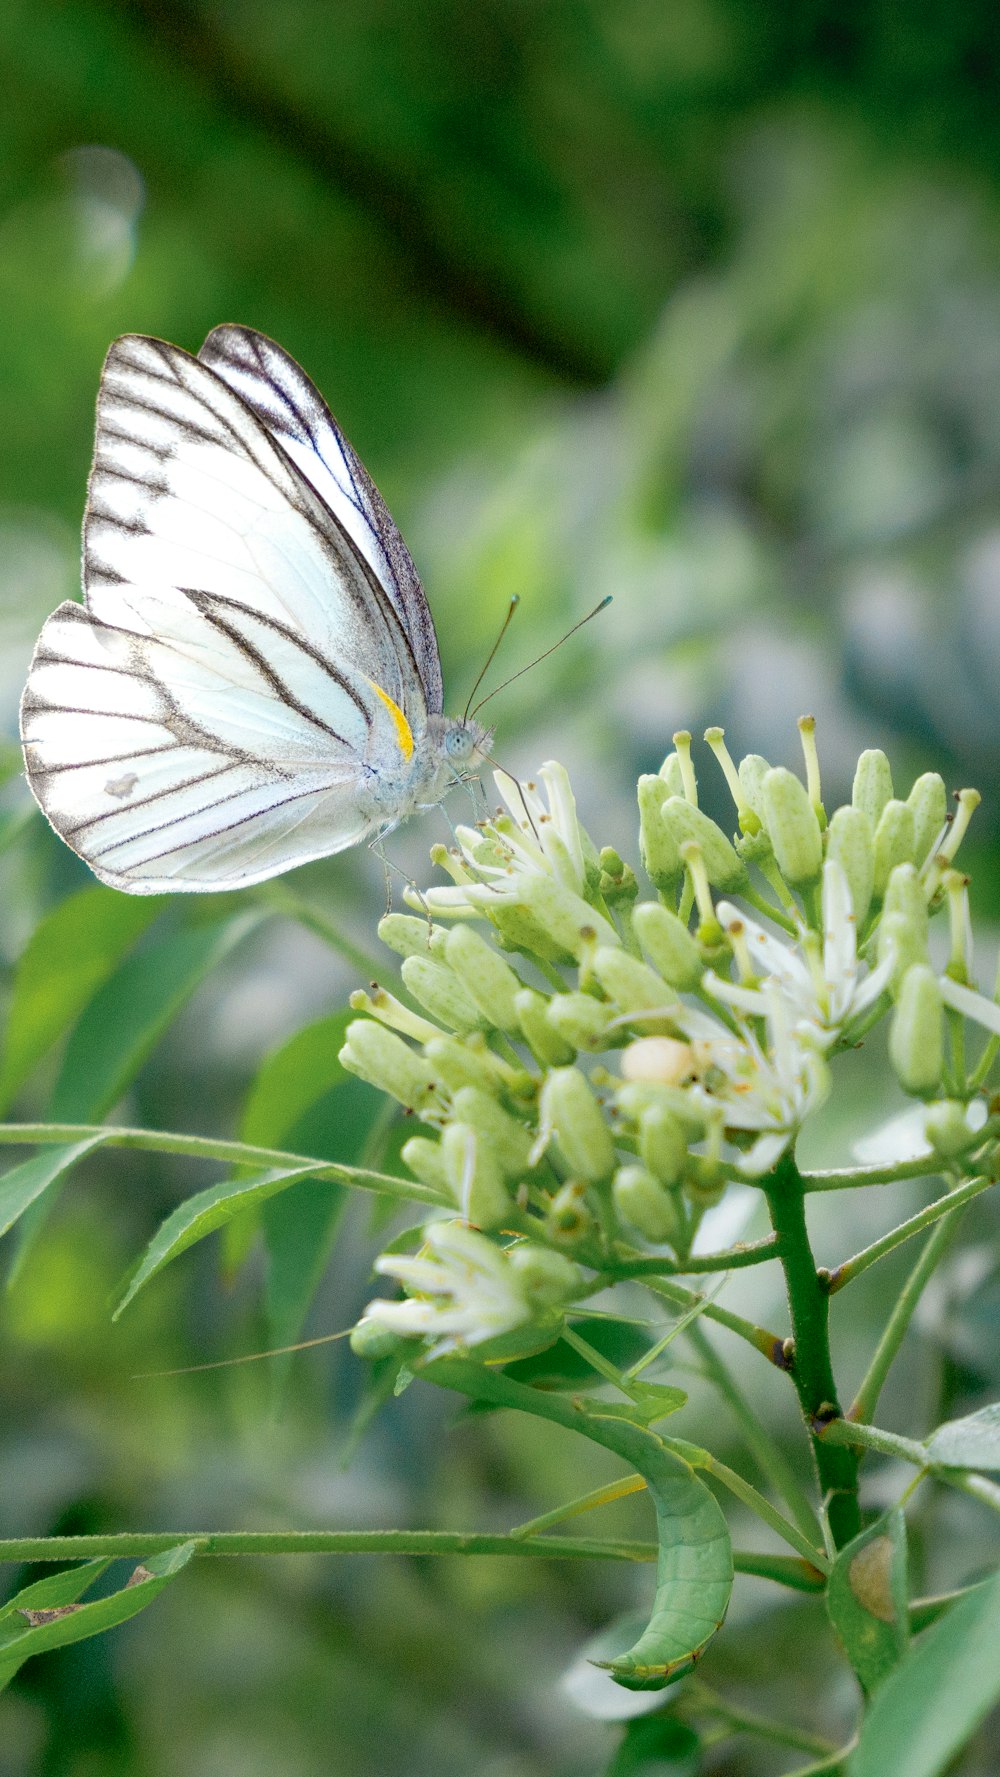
x,y
693,303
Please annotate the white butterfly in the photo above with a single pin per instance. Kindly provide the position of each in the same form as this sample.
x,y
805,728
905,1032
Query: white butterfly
x,y
254,678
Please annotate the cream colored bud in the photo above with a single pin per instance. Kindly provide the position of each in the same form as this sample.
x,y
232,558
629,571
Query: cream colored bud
x,y
546,1278
850,842
752,771
569,920
902,940
459,1064
424,1159
568,1106
672,774
666,1061
669,945
406,934
792,827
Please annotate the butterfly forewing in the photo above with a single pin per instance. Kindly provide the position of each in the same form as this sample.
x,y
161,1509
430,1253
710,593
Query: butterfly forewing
x,y
293,411
217,710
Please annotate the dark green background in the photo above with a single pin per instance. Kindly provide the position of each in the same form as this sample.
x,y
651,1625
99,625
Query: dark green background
x,y
695,303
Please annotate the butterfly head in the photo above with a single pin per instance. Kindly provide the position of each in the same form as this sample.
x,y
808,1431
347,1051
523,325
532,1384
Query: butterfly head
x,y
465,743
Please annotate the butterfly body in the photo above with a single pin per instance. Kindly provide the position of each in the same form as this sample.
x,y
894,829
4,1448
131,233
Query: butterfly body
x,y
253,679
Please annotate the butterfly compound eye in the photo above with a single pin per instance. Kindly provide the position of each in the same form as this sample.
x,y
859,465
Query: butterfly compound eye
x,y
460,743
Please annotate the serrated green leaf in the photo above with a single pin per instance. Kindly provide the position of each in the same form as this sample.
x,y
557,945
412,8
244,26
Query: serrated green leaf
x,y
128,1016
867,1599
939,1693
71,953
89,1619
202,1214
972,1442
26,1184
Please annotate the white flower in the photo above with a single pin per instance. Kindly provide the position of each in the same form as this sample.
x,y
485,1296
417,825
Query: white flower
x,y
464,1293
768,1087
533,837
821,982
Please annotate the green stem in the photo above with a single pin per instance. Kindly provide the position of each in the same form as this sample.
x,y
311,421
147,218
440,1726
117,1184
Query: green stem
x,y
284,900
848,1434
231,1153
597,1361
925,1166
768,1454
770,1345
942,1207
866,1399
700,1700
735,1258
134,1544
812,1368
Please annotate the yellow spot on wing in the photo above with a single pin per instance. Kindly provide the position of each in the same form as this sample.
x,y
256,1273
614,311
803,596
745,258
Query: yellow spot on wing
x,y
403,735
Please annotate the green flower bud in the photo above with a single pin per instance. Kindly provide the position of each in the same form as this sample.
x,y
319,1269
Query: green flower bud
x,y
377,1055
894,842
947,1130
459,1064
851,843
569,1108
663,1146
406,934
546,1278
725,870
581,1020
872,784
638,1096
424,1159
509,1139
441,994
568,919
929,801
370,1340
631,984
661,859
916,1047
705,1182
487,979
672,774
905,941
616,879
474,1176
669,945
751,772
645,1205
569,1216
542,1037
792,827
518,929
904,893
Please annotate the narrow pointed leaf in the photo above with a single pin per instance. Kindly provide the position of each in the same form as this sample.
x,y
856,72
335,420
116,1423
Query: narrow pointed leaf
x,y
71,953
50,1593
26,1184
87,1619
202,1214
939,1693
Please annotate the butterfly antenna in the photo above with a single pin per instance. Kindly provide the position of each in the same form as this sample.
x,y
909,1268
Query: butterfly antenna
x,y
520,789
515,600
605,602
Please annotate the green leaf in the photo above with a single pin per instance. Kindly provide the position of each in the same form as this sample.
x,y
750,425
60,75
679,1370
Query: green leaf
x,y
657,1746
867,1599
939,1693
202,1214
973,1442
50,1593
81,1621
292,1078
128,1016
71,953
24,1185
